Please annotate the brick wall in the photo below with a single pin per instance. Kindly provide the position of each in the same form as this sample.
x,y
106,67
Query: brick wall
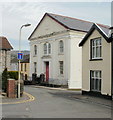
x,y
11,88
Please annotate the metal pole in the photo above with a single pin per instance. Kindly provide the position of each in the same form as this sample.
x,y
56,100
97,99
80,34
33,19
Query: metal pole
x,y
19,63
26,25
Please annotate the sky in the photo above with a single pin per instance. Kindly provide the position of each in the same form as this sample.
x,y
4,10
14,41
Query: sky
x,y
15,14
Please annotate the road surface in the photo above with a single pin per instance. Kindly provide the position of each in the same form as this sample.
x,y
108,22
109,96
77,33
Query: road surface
x,y
55,104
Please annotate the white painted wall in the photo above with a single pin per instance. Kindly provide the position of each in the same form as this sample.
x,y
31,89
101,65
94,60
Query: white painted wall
x,y
72,55
54,58
47,26
75,80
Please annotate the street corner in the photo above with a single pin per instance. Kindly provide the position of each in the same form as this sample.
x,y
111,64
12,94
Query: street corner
x,y
25,98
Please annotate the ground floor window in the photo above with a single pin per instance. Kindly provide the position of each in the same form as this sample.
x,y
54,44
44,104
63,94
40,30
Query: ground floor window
x,y
95,78
25,76
61,67
35,67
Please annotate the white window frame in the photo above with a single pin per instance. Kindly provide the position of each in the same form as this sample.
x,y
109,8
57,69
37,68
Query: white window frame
x,y
96,77
47,48
96,48
35,50
61,46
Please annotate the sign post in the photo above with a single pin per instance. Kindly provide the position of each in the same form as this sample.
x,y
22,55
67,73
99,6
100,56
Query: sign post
x,y
20,56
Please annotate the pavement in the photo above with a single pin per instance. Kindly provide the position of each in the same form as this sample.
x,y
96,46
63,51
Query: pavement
x,y
25,98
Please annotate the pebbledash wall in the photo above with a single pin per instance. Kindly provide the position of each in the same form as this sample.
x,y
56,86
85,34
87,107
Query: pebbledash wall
x,y
72,55
5,59
104,65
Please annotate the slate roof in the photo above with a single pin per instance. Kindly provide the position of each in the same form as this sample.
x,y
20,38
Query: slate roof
x,y
73,23
100,30
26,59
4,44
14,60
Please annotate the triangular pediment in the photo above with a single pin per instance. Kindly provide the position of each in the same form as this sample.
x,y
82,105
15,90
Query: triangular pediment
x,y
46,26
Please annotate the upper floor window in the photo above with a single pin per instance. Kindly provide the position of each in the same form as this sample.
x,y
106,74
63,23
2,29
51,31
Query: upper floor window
x,y
25,67
47,48
96,48
35,50
61,46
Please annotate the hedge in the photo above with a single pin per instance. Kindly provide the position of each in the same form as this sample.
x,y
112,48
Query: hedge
x,y
4,80
13,74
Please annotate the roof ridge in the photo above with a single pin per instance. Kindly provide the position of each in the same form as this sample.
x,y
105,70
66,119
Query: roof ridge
x,y
102,25
101,29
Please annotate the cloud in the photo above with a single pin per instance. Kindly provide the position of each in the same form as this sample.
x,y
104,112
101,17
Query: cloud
x,y
15,14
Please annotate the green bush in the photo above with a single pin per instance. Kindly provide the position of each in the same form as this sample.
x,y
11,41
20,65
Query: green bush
x,y
13,74
4,80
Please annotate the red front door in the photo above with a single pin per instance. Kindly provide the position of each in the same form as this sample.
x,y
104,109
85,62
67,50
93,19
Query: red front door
x,y
47,71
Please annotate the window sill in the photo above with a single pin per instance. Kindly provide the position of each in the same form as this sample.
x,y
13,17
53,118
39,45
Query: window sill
x,y
60,53
34,55
46,56
98,59
61,75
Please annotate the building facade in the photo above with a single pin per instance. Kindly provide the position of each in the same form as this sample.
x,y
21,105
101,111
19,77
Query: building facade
x,y
14,64
24,68
55,51
5,56
96,61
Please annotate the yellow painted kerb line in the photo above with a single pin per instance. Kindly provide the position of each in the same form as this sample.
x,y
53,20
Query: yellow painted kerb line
x,y
31,98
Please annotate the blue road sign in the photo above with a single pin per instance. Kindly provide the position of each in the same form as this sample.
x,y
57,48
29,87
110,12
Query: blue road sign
x,y
20,56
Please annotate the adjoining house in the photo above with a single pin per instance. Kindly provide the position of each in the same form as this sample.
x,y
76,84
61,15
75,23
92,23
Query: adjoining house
x,y
14,64
24,67
5,48
97,62
14,59
55,51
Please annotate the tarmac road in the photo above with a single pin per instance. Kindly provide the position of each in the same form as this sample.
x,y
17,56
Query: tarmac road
x,y
56,104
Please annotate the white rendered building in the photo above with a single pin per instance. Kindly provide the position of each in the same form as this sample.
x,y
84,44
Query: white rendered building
x,y
54,49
